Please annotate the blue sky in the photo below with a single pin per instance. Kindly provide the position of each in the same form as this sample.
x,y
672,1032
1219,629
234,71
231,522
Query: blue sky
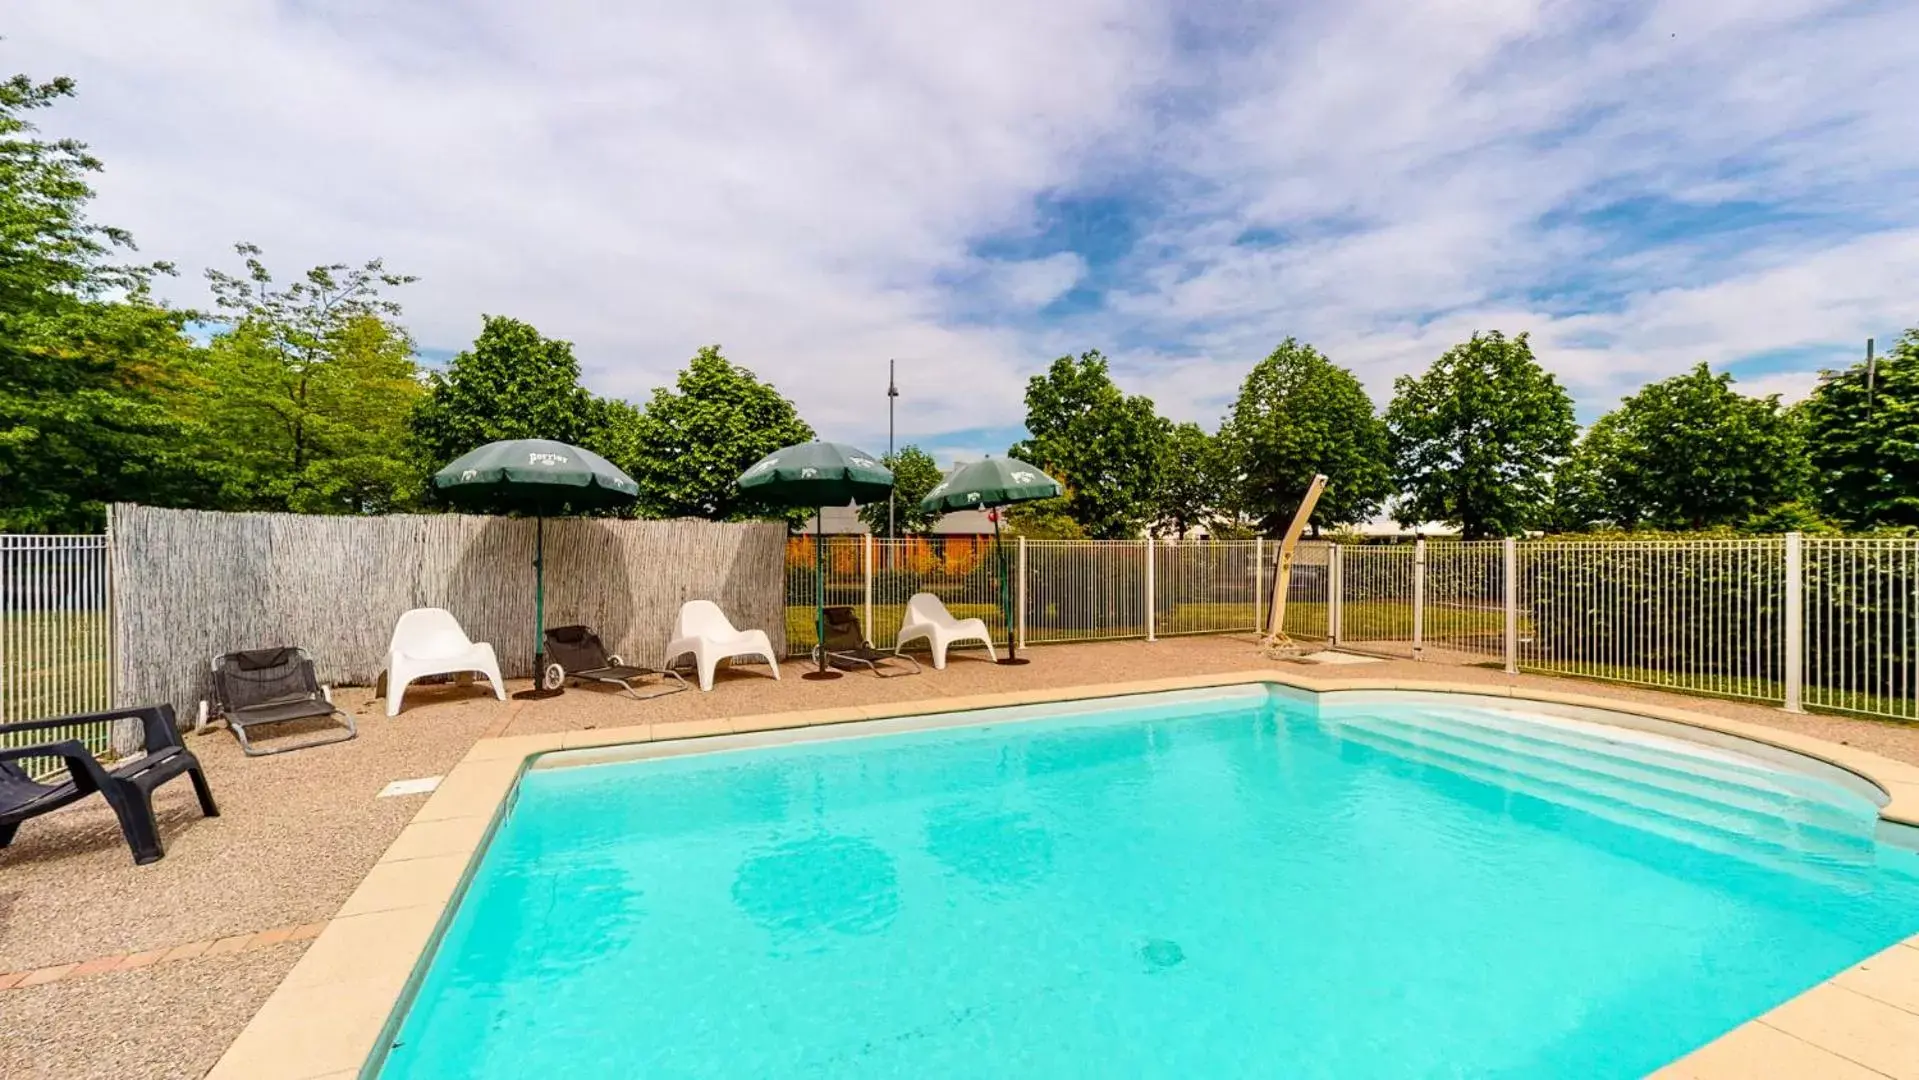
x,y
975,189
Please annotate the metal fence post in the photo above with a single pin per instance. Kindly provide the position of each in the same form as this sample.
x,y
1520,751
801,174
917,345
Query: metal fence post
x,y
1510,571
1019,595
1335,593
1259,582
111,571
866,573
1419,597
1150,560
1795,621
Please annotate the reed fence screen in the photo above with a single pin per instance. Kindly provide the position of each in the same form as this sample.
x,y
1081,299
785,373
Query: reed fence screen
x,y
190,584
87,621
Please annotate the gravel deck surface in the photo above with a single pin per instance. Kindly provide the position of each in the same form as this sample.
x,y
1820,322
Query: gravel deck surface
x,y
171,1021
299,831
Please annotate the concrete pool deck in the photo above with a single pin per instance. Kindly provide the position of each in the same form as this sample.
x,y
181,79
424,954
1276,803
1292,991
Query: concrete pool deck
x,y
327,1015
301,832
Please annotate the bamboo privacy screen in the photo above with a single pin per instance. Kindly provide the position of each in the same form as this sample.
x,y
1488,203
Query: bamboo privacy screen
x,y
190,584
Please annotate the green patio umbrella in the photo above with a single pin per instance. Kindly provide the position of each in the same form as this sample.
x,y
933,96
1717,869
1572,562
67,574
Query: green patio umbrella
x,y
538,477
817,475
989,485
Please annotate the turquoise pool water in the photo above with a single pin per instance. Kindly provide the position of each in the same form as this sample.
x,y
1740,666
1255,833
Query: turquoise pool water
x,y
1235,883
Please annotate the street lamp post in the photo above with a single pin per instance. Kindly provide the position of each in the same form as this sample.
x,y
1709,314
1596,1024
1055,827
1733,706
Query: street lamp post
x,y
892,394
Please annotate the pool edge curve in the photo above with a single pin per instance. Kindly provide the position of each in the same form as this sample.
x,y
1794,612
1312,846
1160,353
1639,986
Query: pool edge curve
x,y
342,999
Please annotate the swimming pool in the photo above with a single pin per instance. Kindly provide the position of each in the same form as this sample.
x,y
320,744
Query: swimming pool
x,y
1247,881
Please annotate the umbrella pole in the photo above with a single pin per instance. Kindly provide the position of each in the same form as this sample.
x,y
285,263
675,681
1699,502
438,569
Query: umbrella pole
x,y
538,690
819,597
1005,596
819,584
539,594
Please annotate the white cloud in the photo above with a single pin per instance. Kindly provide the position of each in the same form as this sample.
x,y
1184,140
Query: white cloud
x,y
1437,145
641,181
810,187
1791,386
1033,283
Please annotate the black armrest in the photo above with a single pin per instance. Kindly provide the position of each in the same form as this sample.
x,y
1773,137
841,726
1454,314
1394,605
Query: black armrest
x,y
87,773
156,723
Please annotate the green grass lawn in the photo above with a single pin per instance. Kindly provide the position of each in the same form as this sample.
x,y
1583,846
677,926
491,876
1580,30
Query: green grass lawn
x,y
1815,698
1365,621
54,663
1383,620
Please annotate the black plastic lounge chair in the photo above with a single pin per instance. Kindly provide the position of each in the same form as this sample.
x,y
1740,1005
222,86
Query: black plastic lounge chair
x,y
847,647
576,653
260,687
127,787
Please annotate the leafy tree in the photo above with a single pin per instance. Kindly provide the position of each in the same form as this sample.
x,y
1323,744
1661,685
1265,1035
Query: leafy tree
x,y
1105,446
512,384
1690,452
615,430
1797,516
1299,414
694,441
1864,444
310,388
89,363
1475,439
1046,519
914,474
1191,488
1578,501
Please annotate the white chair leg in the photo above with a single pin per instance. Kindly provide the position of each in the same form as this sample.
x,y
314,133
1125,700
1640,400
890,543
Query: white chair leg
x,y
939,652
990,654
772,663
395,690
707,663
492,673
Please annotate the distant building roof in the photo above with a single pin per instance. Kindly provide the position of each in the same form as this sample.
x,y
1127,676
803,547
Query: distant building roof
x,y
845,521
1386,526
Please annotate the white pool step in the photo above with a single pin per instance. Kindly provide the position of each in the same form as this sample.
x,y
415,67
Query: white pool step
x,y
1707,776
1714,784
1671,757
1750,813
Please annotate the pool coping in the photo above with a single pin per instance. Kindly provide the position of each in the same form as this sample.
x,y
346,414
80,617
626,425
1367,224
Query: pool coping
x,y
325,1018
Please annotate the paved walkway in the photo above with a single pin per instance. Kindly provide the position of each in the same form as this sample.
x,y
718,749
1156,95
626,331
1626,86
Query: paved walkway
x,y
101,965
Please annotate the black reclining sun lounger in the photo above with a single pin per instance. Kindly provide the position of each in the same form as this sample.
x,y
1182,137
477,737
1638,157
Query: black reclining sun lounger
x,y
847,647
127,787
576,653
259,687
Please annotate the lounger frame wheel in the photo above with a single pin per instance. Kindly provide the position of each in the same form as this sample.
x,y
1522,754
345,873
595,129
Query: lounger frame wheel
x,y
576,653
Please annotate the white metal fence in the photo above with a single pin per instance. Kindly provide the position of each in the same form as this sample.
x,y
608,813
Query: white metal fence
x,y
1058,590
1858,602
1821,623
1799,622
56,635
1699,615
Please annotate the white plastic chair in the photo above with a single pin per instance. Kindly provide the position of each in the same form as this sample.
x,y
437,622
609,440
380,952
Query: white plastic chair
x,y
703,630
429,641
927,618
